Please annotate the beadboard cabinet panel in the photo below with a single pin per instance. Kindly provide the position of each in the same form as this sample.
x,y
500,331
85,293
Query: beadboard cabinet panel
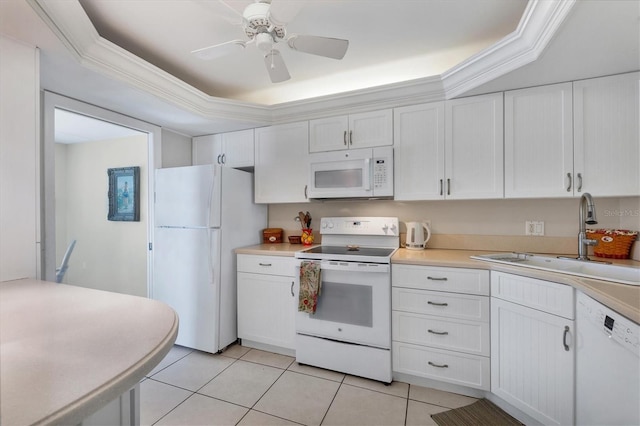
x,y
474,148
539,142
607,136
419,152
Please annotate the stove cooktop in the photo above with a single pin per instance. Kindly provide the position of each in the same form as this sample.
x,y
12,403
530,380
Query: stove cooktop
x,y
348,254
351,250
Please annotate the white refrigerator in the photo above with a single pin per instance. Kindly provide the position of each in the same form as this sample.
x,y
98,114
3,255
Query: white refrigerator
x,y
202,213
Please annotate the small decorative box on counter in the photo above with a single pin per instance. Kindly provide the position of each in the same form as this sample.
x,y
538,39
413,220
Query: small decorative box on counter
x,y
272,235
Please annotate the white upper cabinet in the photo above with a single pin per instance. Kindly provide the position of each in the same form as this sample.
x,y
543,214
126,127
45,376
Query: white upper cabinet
x,y
282,163
233,149
538,142
364,130
606,136
474,148
419,151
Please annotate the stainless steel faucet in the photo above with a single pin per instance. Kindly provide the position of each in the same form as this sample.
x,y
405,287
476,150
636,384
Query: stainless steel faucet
x,y
586,206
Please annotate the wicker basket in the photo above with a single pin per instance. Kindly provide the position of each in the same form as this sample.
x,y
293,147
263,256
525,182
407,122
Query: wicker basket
x,y
612,243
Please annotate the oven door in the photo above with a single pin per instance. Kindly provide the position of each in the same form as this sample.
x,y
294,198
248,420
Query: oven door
x,y
354,304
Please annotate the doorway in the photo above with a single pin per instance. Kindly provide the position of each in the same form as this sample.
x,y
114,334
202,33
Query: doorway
x,y
81,142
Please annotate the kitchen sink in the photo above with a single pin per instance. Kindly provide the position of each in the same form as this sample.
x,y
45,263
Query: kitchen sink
x,y
590,269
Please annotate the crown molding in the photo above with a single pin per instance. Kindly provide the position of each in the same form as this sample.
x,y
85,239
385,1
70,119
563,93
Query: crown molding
x,y
70,23
540,21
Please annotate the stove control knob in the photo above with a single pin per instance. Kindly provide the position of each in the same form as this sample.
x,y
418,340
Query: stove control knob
x,y
394,229
324,225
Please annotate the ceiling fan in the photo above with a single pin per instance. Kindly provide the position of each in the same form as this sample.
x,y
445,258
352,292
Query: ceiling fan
x,y
264,23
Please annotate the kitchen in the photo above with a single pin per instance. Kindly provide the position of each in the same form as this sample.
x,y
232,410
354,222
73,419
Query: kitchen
x,y
477,219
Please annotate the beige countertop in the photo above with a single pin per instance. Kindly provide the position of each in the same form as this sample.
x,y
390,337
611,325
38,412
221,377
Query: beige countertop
x,y
624,299
67,351
281,249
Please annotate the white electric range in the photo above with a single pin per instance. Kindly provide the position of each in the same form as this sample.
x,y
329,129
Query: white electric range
x,y
351,328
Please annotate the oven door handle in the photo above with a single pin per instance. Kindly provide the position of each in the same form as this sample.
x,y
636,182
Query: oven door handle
x,y
332,265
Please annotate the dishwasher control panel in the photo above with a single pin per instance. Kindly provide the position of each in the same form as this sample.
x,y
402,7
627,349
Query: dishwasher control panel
x,y
614,325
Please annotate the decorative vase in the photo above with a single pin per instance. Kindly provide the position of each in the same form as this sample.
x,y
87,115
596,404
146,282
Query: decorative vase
x,y
307,236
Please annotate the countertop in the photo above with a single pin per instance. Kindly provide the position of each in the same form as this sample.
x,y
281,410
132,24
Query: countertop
x,y
624,299
67,351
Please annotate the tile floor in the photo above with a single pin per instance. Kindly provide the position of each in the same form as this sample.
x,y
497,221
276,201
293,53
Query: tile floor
x,y
244,386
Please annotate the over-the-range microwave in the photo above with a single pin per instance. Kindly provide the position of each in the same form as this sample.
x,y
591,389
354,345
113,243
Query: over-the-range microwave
x,y
354,173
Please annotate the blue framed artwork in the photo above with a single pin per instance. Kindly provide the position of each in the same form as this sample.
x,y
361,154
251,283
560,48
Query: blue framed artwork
x,y
124,194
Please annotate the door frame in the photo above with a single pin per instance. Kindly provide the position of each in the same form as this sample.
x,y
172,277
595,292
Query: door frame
x,y
53,101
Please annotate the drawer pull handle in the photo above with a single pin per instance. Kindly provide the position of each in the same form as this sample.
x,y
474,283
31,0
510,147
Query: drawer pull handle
x,y
439,333
564,338
437,303
292,295
264,264
437,278
437,365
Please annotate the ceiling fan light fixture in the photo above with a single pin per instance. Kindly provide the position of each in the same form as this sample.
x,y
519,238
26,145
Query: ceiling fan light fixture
x,y
264,41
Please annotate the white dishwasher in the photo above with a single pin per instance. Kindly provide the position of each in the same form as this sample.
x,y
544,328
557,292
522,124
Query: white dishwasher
x,y
607,366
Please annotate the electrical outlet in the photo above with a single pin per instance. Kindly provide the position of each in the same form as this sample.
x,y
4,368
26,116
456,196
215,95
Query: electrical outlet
x,y
534,228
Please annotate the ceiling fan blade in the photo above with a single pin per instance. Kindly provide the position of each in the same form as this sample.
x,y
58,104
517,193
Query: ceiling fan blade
x,y
275,67
219,50
323,46
282,12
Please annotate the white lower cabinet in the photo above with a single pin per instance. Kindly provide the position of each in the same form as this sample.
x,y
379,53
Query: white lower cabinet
x,y
440,324
533,350
267,302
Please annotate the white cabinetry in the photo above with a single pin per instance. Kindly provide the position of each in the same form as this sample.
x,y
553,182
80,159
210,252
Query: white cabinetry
x,y
19,160
364,130
538,142
282,163
234,149
440,324
267,302
474,148
419,152
449,150
532,348
606,135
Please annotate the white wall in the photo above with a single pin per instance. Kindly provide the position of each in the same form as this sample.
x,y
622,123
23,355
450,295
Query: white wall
x,y
19,156
478,217
176,149
108,255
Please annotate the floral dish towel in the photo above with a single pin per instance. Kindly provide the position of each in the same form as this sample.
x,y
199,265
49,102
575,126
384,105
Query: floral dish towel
x,y
310,285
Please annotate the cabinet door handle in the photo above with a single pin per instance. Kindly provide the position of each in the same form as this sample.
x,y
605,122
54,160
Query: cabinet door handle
x,y
564,338
438,365
350,137
441,186
439,333
305,192
224,158
579,182
344,138
218,160
264,264
570,183
292,289
429,302
437,278
448,186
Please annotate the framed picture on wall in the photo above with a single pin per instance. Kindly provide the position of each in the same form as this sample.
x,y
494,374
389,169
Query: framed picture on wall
x,y
124,194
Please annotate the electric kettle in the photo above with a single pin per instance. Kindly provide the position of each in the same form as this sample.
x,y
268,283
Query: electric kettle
x,y
418,233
